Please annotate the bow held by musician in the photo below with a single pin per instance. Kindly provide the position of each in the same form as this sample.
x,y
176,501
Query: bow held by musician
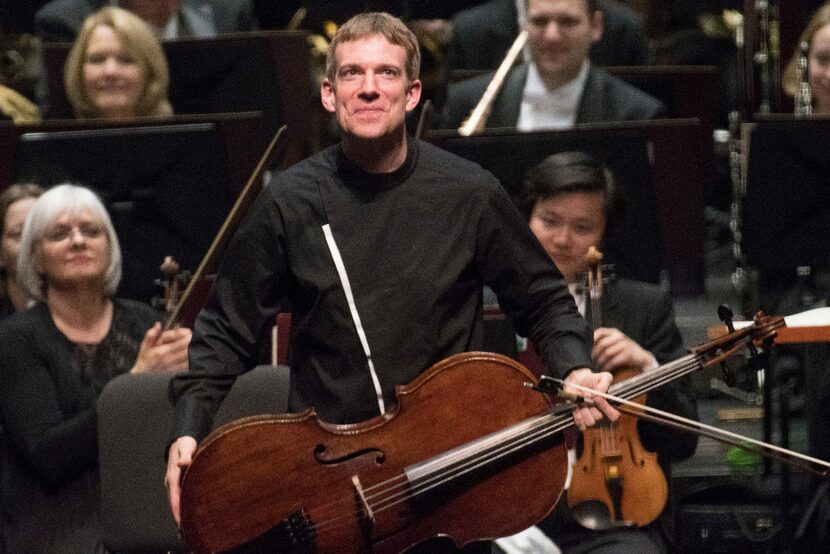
x,y
382,244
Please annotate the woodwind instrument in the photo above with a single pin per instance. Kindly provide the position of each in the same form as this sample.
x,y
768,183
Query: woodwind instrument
x,y
744,279
803,94
766,56
477,119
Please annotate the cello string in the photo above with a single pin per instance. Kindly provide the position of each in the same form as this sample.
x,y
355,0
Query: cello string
x,y
392,496
402,491
704,426
448,475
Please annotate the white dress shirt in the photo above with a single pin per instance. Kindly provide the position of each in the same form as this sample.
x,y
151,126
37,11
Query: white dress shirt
x,y
550,109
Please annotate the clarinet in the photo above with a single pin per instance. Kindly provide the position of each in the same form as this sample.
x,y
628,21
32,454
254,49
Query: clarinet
x,y
804,94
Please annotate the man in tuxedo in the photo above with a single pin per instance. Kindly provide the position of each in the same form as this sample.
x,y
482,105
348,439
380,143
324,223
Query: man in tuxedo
x,y
483,34
559,86
61,20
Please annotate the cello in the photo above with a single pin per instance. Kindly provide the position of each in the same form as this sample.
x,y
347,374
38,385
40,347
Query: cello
x,y
471,451
616,482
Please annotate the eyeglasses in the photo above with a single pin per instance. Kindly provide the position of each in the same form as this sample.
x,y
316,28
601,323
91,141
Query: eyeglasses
x,y
63,232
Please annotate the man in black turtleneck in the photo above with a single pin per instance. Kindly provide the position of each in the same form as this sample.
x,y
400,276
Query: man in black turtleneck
x,y
382,244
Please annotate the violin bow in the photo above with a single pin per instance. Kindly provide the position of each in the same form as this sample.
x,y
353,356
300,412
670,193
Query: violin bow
x,y
210,262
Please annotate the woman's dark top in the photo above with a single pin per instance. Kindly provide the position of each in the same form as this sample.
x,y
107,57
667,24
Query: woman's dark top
x,y
6,307
47,402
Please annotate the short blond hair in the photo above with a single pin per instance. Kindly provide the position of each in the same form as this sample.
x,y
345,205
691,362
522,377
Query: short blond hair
x,y
789,79
368,24
140,41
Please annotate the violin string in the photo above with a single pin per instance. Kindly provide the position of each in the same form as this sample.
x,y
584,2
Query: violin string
x,y
610,439
397,489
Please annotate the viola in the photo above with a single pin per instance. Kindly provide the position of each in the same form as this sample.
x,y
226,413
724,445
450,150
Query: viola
x,y
469,451
614,473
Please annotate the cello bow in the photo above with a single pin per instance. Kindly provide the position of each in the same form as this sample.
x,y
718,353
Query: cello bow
x,y
185,310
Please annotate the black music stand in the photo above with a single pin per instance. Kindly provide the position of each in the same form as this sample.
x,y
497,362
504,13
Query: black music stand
x,y
166,188
666,164
686,90
268,72
238,133
633,246
786,212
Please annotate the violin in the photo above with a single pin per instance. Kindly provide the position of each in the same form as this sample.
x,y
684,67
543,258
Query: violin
x,y
615,475
470,451
172,283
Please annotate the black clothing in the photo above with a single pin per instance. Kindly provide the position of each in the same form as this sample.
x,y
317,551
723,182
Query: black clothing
x,y
47,401
604,98
6,307
61,20
418,245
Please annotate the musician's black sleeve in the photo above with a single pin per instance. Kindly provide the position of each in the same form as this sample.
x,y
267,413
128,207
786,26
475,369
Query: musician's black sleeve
x,y
225,336
530,288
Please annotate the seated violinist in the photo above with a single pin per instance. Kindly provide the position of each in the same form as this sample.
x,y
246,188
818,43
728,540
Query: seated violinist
x,y
570,202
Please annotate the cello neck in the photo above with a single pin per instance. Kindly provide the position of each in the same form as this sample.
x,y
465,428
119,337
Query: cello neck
x,y
532,432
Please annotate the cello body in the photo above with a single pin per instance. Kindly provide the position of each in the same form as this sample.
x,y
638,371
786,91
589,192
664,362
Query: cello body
x,y
302,485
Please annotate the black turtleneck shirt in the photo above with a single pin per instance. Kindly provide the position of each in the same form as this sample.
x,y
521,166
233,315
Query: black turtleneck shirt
x,y
417,244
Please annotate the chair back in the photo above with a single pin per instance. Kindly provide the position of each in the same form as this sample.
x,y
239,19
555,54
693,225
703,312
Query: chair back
x,y
134,421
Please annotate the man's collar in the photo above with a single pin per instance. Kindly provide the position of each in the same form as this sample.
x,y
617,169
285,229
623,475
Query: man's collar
x,y
571,89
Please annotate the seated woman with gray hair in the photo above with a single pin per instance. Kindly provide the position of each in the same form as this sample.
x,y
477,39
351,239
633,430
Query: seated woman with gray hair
x,y
117,68
55,359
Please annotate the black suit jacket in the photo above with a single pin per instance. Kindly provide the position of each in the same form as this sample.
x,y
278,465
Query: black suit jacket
x,y
605,98
483,34
61,20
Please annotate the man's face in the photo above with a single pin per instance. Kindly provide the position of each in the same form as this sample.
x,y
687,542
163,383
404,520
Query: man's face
x,y
567,225
560,35
371,92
